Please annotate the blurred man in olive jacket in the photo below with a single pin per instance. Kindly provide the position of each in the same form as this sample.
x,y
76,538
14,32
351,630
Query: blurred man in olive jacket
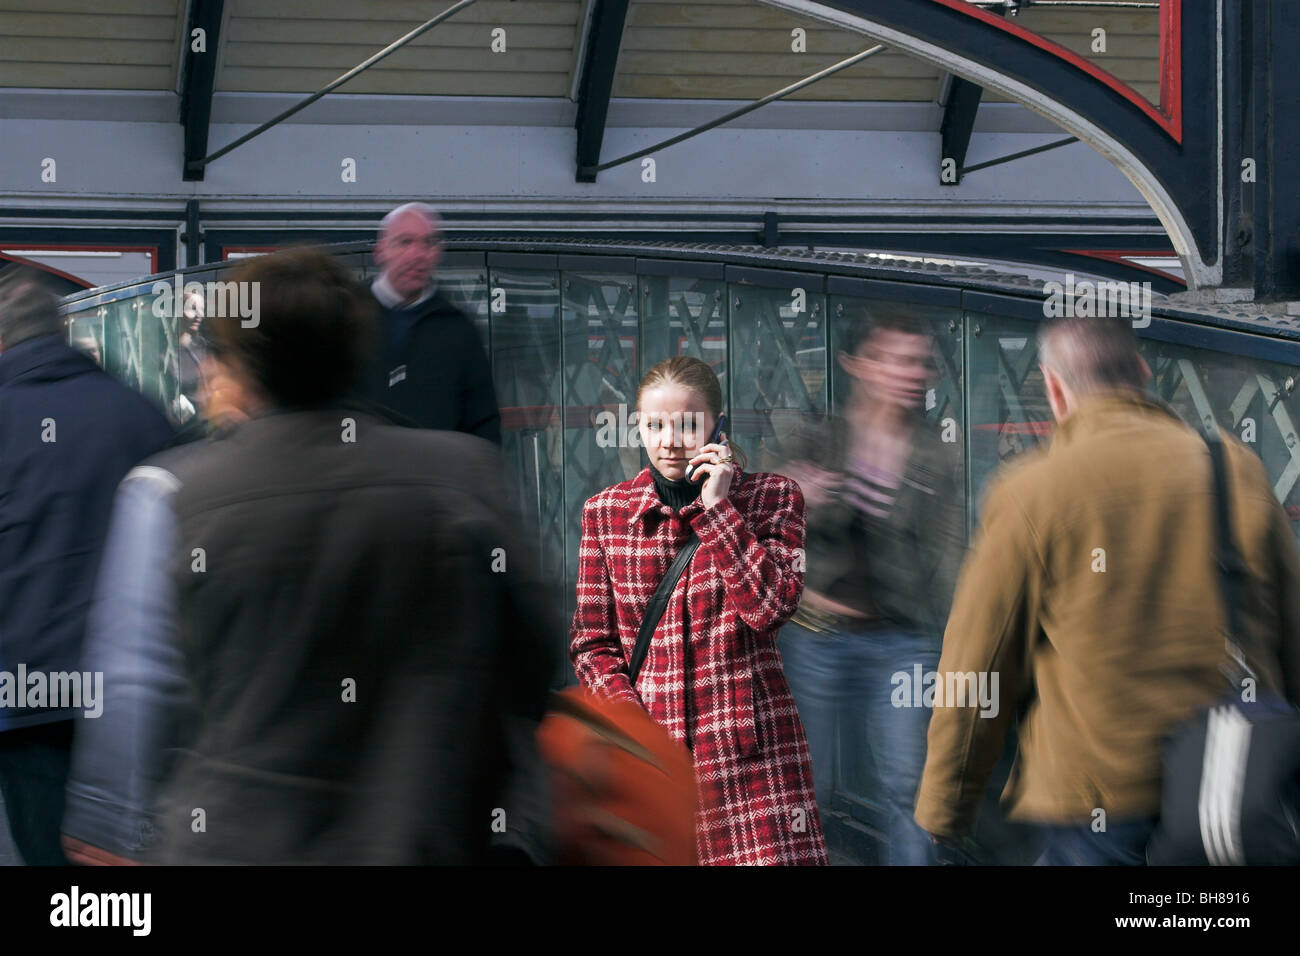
x,y
1090,603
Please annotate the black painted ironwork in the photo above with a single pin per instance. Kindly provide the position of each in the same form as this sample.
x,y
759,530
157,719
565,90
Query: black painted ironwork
x,y
336,83
197,82
741,111
1022,154
600,61
957,125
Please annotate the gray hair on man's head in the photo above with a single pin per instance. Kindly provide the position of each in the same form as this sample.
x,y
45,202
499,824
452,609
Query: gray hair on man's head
x,y
27,307
1091,354
424,209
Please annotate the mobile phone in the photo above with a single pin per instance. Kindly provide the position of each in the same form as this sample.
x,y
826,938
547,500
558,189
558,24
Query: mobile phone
x,y
718,429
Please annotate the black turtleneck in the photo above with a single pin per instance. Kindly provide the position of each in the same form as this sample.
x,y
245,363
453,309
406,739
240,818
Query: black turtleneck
x,y
675,493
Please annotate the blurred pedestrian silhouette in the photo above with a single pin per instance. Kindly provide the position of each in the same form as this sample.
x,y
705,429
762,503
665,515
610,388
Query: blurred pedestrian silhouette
x,y
885,536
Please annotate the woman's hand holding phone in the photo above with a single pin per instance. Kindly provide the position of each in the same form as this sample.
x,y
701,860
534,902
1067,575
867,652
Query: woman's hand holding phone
x,y
718,473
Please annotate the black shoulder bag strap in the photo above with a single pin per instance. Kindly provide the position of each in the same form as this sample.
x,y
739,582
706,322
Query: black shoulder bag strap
x,y
658,602
1228,559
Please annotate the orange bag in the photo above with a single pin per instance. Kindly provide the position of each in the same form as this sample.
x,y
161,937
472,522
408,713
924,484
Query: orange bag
x,y
623,790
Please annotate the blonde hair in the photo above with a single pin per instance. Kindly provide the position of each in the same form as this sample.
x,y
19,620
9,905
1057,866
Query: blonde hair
x,y
691,373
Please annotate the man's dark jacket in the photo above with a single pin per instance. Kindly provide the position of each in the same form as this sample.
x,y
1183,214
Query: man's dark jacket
x,y
354,638
442,379
68,433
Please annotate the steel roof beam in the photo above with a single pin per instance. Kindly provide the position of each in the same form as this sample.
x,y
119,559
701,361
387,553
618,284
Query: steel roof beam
x,y
599,63
196,86
958,124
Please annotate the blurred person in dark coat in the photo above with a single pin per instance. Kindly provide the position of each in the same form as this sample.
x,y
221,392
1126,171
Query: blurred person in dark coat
x,y
356,620
884,544
120,760
428,363
68,433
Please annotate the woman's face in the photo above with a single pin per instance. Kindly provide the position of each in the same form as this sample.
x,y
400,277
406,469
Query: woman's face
x,y
674,422
194,306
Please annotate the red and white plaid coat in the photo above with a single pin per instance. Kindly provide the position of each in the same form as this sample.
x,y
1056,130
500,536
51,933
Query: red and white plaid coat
x,y
712,677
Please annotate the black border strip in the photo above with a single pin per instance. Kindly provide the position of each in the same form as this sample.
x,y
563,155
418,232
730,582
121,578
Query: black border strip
x,y
894,291
623,264
777,278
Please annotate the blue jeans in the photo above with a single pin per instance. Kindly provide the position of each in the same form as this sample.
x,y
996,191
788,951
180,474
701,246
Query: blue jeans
x,y
1121,844
850,674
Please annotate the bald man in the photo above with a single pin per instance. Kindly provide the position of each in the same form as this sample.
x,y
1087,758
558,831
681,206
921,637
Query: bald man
x,y
428,364
1090,606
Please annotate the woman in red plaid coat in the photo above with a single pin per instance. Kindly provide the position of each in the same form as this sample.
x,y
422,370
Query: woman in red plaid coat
x,y
712,676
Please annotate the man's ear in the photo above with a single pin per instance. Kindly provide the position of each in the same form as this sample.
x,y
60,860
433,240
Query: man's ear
x,y
1055,392
850,363
1146,371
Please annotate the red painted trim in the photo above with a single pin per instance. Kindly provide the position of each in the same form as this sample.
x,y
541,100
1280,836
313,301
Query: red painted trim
x,y
42,267
1168,115
516,418
77,247
1171,65
1120,256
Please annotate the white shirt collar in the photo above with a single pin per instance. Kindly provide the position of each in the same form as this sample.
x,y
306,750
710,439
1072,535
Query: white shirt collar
x,y
389,298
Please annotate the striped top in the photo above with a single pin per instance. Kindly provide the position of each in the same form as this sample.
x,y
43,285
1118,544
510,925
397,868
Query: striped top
x,y
869,488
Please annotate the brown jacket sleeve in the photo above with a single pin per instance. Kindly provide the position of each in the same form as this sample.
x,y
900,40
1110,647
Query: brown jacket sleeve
x,y
992,631
1287,584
